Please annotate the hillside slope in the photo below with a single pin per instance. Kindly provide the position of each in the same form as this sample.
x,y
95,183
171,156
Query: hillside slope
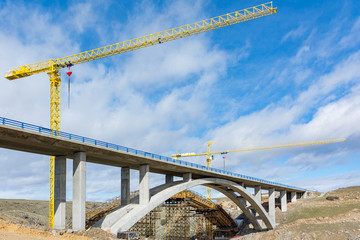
x,y
336,215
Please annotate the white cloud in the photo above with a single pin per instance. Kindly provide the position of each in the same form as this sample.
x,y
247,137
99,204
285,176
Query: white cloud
x,y
332,182
294,34
350,39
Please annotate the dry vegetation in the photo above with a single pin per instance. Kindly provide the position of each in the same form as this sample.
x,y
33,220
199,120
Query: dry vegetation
x,y
318,218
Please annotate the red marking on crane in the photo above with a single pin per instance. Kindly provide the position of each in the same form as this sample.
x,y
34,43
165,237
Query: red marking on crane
x,y
69,73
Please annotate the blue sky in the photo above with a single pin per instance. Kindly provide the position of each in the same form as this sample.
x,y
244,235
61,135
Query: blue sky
x,y
289,77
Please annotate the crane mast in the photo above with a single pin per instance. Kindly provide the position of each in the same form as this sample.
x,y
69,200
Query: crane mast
x,y
53,66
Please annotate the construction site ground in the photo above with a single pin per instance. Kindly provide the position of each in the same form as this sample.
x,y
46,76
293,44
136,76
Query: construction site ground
x,y
317,218
313,218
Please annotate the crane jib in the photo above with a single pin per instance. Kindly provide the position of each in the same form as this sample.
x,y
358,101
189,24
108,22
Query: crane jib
x,y
145,41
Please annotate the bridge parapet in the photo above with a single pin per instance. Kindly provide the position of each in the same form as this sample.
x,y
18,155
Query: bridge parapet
x,y
131,151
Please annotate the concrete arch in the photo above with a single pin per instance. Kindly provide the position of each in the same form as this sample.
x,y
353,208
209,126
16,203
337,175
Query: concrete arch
x,y
123,218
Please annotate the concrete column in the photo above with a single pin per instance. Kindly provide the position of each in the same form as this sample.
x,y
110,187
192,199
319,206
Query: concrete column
x,y
283,201
187,176
79,191
169,178
272,204
293,196
60,193
144,193
244,201
125,186
257,193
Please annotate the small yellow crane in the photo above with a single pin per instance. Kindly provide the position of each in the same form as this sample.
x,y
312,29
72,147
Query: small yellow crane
x,y
209,154
53,66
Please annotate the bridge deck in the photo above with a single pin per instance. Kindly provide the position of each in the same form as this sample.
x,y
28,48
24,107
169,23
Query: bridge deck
x,y
35,139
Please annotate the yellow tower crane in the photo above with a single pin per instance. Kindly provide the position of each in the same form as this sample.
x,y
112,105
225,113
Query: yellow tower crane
x,y
53,66
209,154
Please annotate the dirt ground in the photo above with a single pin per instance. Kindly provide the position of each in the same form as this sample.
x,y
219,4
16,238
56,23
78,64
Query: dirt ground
x,y
28,219
14,231
317,218
314,218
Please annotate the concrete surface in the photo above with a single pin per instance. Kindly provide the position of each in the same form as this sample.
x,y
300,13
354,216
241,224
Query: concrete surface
x,y
283,201
169,178
60,192
125,186
293,196
272,203
79,191
144,184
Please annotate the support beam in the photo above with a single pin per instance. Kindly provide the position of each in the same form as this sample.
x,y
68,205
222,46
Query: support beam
x,y
79,191
293,196
144,193
272,204
187,176
169,178
283,201
125,186
60,193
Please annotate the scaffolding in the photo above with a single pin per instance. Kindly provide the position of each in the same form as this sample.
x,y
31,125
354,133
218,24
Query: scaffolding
x,y
186,215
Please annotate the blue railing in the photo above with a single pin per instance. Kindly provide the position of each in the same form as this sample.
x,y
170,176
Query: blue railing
x,y
31,127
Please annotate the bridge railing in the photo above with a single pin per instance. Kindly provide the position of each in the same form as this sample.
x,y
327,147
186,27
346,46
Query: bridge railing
x,y
31,127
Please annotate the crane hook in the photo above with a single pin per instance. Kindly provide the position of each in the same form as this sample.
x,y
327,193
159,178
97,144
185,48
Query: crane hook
x,y
69,74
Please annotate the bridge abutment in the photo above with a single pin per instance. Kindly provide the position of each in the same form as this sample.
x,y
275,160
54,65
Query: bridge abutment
x,y
60,193
79,191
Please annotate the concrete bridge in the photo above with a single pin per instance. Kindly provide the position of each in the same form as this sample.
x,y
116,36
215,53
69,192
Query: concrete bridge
x,y
35,139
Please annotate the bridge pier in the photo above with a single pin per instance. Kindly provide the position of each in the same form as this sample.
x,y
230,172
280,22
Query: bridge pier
x,y
283,201
60,193
79,191
125,186
272,204
243,201
144,191
169,178
293,196
187,177
257,195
